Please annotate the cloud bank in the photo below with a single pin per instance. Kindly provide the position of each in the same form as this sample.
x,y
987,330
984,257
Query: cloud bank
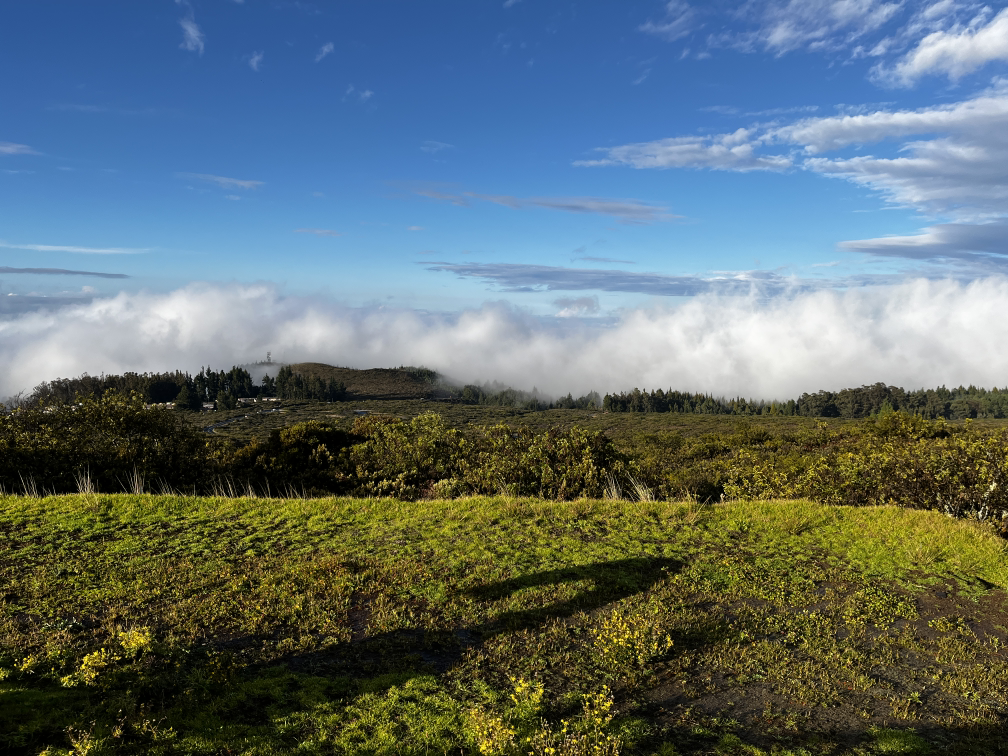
x,y
919,333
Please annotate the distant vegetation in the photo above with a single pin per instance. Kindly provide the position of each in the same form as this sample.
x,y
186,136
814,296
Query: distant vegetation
x,y
111,443
866,401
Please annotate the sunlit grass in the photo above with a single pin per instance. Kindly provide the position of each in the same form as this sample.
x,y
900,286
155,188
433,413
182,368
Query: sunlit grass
x,y
205,625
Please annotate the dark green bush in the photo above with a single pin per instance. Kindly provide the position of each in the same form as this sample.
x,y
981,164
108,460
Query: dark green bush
x,y
110,440
308,458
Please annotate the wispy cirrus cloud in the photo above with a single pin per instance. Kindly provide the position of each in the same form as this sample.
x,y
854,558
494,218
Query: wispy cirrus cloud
x,y
625,210
193,39
318,231
5,270
323,51
680,19
13,148
521,277
224,182
909,38
255,60
737,151
76,249
358,94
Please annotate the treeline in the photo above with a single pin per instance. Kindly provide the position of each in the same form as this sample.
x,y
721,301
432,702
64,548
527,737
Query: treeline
x,y
222,388
866,401
498,395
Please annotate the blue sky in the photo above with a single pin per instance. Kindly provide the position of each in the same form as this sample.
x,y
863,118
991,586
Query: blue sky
x,y
572,159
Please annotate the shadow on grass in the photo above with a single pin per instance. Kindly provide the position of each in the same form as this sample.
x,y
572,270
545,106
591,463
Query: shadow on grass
x,y
613,581
421,651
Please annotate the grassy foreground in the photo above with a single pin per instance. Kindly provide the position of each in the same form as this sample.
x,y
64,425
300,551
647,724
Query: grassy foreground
x,y
147,624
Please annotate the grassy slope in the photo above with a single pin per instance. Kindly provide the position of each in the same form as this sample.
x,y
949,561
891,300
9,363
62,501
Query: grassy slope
x,y
376,383
145,624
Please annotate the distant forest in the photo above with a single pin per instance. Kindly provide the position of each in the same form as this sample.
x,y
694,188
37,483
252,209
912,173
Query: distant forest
x,y
866,401
223,389
191,392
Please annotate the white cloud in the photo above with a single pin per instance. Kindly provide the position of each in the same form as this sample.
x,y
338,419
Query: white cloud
x,y
255,60
946,159
957,165
222,181
577,307
735,151
362,95
812,24
11,148
76,250
192,36
910,38
680,19
954,52
327,48
918,333
415,228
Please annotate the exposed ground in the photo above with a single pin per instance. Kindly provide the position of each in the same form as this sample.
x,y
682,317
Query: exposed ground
x,y
142,624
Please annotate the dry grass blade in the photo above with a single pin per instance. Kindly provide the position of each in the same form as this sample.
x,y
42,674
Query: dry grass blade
x,y
84,483
29,487
135,483
612,488
640,490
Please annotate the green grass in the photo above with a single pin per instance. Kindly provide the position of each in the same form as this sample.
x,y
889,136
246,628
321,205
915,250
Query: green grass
x,y
146,624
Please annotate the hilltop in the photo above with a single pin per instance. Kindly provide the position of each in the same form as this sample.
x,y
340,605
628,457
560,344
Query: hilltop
x,y
380,383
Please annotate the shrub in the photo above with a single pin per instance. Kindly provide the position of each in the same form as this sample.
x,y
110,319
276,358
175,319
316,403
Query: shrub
x,y
112,439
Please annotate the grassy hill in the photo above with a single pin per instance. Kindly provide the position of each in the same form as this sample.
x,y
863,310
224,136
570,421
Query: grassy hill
x,y
145,624
379,383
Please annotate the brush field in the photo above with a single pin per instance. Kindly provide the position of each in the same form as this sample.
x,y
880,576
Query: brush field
x,y
137,624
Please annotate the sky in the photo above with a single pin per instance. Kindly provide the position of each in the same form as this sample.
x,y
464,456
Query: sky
x,y
760,197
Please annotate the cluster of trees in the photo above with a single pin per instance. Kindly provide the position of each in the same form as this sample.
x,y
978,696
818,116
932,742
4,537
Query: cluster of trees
x,y
189,392
701,404
153,387
224,388
291,385
865,401
497,395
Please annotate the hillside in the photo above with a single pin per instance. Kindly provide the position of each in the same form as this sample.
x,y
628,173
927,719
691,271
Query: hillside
x,y
379,383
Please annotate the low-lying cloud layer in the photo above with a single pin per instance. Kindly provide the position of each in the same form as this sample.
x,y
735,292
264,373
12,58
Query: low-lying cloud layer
x,y
919,333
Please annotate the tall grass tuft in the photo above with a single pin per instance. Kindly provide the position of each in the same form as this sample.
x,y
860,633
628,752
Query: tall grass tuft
x,y
85,485
29,487
612,488
640,489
